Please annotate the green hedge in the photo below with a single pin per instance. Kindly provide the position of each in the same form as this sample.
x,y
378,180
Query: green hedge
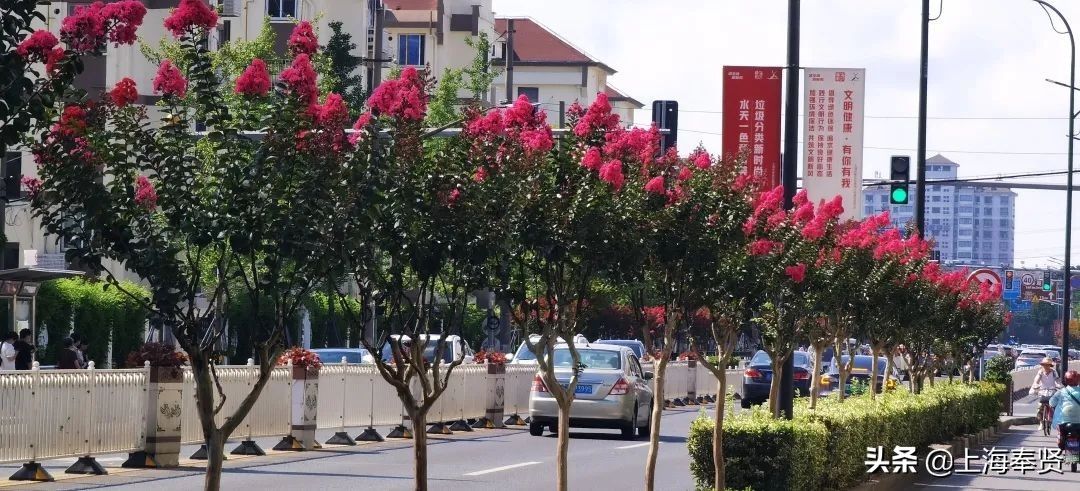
x,y
826,448
100,315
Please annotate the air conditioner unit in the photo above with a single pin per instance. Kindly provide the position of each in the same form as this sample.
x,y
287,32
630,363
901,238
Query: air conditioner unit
x,y
231,8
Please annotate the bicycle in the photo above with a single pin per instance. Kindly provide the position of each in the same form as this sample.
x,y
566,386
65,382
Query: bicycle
x,y
1045,415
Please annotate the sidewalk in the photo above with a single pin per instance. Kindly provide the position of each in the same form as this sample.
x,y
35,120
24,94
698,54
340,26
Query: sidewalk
x,y
1015,478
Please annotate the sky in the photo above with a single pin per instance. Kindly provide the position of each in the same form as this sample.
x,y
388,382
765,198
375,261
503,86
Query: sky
x,y
990,107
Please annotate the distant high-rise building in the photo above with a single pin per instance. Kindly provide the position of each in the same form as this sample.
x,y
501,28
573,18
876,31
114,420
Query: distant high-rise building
x,y
970,225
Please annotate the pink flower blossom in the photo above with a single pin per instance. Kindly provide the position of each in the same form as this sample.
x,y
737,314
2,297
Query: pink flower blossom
x,y
124,92
813,230
55,55
403,98
481,174
685,173
636,144
36,47
598,116
742,181
760,247
84,30
656,185
359,126
592,159
488,124
145,195
797,273
521,112
33,186
675,195
612,173
300,78
453,197
800,198
701,159
255,81
775,219
72,121
190,16
537,141
124,18
575,111
303,40
169,80
333,113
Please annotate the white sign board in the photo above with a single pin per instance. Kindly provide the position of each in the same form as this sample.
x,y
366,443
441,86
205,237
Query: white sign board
x,y
833,136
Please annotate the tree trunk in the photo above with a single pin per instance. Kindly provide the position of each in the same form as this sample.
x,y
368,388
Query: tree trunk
x,y
873,372
654,422
215,458
815,380
419,429
562,483
888,365
774,386
718,432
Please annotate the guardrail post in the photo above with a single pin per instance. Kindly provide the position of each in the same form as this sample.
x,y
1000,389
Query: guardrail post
x,y
495,407
342,437
304,410
161,448
33,471
87,464
691,382
370,434
248,445
462,424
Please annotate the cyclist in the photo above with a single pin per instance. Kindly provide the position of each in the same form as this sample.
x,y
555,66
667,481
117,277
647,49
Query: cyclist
x,y
1066,404
1045,383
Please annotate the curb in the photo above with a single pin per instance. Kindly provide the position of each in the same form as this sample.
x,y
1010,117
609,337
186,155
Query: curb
x,y
897,482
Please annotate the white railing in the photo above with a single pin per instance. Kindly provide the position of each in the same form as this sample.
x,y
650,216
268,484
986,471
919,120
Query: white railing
x,y
465,395
268,417
65,413
356,395
519,379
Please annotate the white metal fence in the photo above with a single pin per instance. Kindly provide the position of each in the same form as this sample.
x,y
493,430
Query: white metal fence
x,y
356,395
65,413
268,417
519,380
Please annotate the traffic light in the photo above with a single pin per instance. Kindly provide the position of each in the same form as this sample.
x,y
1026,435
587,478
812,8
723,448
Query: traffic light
x,y
1009,279
1047,283
899,171
666,116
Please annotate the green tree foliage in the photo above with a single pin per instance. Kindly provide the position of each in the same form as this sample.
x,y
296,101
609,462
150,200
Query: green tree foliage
x,y
101,315
345,67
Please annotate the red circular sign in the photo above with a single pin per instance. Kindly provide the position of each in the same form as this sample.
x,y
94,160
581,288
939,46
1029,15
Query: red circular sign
x,y
985,275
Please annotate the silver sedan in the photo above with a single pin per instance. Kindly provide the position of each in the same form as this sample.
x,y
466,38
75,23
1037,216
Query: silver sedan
x,y
612,392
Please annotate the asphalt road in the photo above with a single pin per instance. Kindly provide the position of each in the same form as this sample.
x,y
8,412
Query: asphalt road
x,y
502,459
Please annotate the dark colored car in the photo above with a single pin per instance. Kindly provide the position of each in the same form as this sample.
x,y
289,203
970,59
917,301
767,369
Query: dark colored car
x,y
635,345
860,370
757,377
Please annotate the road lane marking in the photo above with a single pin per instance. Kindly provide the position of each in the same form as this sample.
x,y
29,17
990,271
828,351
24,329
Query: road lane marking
x,y
636,445
503,468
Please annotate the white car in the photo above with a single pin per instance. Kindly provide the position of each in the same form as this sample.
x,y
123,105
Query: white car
x,y
350,355
525,356
455,347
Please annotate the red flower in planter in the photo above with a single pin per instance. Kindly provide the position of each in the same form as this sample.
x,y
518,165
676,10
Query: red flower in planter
x,y
300,357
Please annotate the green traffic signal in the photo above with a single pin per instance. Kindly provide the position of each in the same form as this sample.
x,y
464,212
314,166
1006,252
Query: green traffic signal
x,y
899,195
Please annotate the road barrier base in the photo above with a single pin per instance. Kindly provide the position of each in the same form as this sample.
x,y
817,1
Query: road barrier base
x,y
290,443
690,401
667,404
439,429
528,420
400,431
31,471
369,435
484,423
702,400
248,447
86,465
461,425
341,438
514,420
140,460
678,403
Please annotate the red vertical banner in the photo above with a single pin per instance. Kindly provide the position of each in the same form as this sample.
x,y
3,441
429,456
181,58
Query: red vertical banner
x,y
751,124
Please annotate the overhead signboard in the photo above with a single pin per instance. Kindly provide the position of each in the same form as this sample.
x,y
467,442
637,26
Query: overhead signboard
x,y
751,122
833,108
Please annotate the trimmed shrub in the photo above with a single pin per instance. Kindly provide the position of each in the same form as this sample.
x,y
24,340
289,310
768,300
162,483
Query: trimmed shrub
x,y
775,454
997,369
98,314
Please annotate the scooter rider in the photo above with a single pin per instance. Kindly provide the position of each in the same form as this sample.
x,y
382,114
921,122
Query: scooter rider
x,y
1066,402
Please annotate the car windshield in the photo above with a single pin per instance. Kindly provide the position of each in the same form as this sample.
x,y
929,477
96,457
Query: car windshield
x,y
334,356
762,358
634,345
591,358
524,353
1031,356
429,351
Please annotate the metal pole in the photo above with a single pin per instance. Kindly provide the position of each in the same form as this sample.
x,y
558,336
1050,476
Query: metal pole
x,y
1067,301
920,176
508,57
791,136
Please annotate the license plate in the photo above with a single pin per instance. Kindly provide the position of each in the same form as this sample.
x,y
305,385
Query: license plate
x,y
580,389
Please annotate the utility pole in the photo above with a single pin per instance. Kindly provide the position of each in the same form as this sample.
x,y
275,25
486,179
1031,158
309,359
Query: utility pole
x,y
508,57
920,176
790,179
377,55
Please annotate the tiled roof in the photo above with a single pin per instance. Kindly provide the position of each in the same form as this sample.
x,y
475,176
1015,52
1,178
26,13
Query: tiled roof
x,y
615,95
411,4
535,43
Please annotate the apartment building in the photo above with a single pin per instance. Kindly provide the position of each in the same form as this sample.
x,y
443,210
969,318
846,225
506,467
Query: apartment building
x,y
969,225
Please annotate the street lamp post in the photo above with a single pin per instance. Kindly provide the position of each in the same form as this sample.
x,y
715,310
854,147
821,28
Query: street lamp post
x,y
791,150
1068,187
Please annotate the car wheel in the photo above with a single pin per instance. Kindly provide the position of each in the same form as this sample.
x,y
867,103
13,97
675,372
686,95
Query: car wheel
x,y
643,431
629,428
536,429
554,428
745,403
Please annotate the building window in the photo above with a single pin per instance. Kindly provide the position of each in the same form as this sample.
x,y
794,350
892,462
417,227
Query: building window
x,y
988,222
1004,222
965,198
935,188
410,49
281,9
988,234
963,255
935,198
935,209
884,199
964,232
1004,211
964,209
976,199
1003,200
988,211
988,246
533,93
964,221
1004,234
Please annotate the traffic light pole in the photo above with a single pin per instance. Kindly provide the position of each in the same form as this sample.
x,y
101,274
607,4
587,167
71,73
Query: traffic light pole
x,y
791,158
920,176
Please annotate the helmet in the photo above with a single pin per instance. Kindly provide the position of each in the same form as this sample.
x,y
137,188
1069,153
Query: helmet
x,y
1072,377
1047,362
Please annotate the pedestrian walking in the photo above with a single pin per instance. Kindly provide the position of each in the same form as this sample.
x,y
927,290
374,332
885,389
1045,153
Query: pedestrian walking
x,y
80,344
68,359
24,359
7,351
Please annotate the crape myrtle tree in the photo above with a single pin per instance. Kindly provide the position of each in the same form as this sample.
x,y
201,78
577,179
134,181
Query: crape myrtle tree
x,y
785,246
981,318
694,210
579,207
190,218
930,303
